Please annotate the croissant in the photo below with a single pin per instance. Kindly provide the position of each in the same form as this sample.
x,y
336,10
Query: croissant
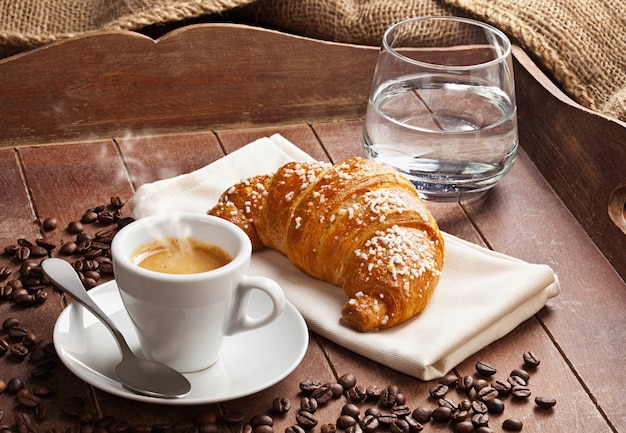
x,y
357,224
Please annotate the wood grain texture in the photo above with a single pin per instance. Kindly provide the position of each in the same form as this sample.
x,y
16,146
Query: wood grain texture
x,y
98,116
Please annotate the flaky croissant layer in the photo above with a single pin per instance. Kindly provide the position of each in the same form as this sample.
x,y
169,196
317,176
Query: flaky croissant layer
x,y
357,224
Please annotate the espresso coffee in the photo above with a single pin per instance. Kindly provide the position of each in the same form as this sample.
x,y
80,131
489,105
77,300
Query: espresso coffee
x,y
180,256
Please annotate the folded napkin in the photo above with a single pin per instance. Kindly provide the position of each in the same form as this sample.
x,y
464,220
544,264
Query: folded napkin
x,y
482,295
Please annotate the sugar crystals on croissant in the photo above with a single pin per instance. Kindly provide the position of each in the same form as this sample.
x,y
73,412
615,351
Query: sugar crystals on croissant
x,y
357,224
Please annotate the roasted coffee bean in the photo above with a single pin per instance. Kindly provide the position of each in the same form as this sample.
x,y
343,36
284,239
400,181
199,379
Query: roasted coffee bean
x,y
43,369
328,428
354,429
22,254
89,283
306,420
27,399
400,399
10,323
14,385
106,217
294,429
516,380
484,430
449,380
545,402
4,347
463,427
38,251
387,419
89,217
370,423
309,404
479,407
400,426
308,386
512,424
531,360
480,420
5,272
336,388
374,392
414,425
348,381
281,404
485,369
488,393
351,410
261,419
322,394
357,394
465,404
68,248
83,247
49,246
18,351
50,224
446,402
480,384
520,392
422,414
401,411
521,373
442,414
438,391
17,332
373,410
459,416
388,396
75,227
503,387
345,421
495,406
42,391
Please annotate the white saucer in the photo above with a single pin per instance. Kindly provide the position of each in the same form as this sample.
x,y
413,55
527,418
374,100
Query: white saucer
x,y
250,361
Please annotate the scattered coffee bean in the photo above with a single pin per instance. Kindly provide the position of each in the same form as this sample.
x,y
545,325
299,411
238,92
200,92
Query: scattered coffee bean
x,y
442,414
387,419
370,423
520,392
357,394
281,405
308,386
233,417
388,396
495,406
306,419
545,402
27,399
50,224
521,373
335,387
512,424
345,421
400,426
309,404
503,387
488,393
484,430
347,381
75,227
351,410
294,429
530,360
438,391
485,369
328,428
480,420
414,425
322,394
422,414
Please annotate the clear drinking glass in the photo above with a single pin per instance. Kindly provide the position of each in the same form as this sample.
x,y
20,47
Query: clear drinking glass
x,y
442,107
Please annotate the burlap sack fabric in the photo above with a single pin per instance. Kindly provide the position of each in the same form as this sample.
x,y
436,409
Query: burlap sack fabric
x,y
580,43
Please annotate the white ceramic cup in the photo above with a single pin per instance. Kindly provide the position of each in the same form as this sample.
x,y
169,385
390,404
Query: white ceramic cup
x,y
182,319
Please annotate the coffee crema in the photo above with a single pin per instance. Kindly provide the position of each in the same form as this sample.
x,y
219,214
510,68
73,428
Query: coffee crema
x,y
180,256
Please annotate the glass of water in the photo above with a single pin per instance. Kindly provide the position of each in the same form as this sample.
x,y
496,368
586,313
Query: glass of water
x,y
442,107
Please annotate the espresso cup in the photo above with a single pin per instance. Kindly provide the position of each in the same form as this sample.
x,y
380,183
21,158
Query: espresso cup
x,y
182,315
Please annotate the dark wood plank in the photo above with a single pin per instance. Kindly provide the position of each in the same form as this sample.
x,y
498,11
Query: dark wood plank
x,y
192,79
586,320
299,135
580,153
153,158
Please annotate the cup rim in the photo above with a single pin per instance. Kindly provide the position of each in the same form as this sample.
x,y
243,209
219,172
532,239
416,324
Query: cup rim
x,y
500,34
243,254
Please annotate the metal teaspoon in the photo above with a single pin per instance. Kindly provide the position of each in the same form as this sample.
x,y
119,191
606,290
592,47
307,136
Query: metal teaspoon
x,y
139,375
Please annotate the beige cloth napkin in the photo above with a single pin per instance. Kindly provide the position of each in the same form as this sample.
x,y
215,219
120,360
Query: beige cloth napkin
x,y
482,295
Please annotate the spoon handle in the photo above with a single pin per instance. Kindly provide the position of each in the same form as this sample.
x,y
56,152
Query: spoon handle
x,y
63,275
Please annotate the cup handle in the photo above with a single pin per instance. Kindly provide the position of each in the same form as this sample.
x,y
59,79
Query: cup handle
x,y
241,321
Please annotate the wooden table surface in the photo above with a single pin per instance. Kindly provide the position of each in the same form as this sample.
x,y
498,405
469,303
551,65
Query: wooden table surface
x,y
94,118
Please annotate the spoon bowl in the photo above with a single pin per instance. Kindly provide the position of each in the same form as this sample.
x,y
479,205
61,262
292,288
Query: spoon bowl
x,y
137,374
